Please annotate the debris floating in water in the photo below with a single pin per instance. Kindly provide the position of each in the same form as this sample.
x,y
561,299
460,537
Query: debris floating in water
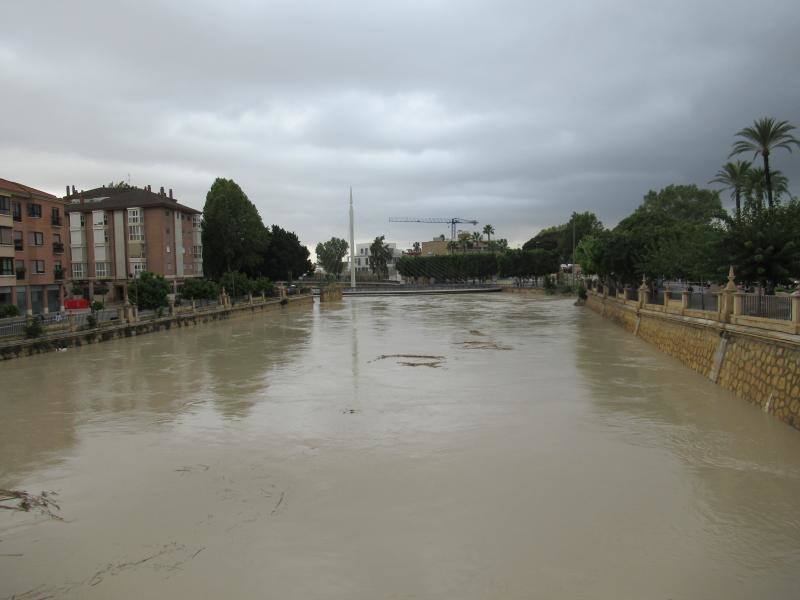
x,y
25,501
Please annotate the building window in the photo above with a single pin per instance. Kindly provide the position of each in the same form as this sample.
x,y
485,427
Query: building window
x,y
83,220
6,236
35,210
102,269
19,267
78,270
196,221
134,216
5,205
135,233
37,267
139,268
36,238
16,209
55,216
57,237
18,245
197,251
6,266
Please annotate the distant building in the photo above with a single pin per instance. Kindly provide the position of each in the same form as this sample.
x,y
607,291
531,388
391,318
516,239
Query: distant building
x,y
362,257
436,247
33,255
116,233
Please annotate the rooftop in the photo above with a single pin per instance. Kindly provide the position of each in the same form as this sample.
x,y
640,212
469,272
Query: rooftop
x,y
24,190
119,197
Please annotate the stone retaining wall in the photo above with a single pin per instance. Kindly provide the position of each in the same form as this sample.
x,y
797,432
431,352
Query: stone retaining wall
x,y
74,339
759,365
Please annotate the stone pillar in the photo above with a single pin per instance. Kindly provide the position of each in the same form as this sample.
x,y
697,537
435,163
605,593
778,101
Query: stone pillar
x,y
250,299
666,296
61,297
28,301
171,305
194,306
121,316
685,299
644,293
91,291
726,298
71,319
796,307
263,297
604,288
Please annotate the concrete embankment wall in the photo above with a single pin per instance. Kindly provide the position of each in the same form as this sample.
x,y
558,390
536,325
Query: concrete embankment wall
x,y
758,365
73,339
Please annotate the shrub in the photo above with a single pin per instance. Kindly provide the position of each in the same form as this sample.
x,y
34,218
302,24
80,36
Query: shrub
x,y
33,328
149,290
97,306
199,289
8,310
582,292
91,321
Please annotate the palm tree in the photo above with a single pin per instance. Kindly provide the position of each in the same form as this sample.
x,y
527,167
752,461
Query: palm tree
x,y
452,246
734,176
762,138
488,231
754,185
476,239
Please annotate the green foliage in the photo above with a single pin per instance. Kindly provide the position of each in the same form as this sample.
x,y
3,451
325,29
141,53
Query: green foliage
x,y
453,268
149,290
33,328
582,292
560,238
379,256
199,289
97,306
91,321
525,264
330,255
236,284
764,245
234,238
286,258
8,310
763,137
262,285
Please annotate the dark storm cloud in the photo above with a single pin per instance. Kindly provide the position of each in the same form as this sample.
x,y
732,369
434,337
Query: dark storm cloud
x,y
515,113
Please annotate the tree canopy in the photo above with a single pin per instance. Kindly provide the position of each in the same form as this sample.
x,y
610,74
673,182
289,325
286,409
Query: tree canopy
x,y
286,258
330,255
379,256
234,238
560,238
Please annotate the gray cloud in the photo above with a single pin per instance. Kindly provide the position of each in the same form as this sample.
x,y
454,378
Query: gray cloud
x,y
514,113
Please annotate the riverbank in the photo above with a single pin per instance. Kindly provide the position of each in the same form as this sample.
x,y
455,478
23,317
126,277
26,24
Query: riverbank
x,y
63,340
757,364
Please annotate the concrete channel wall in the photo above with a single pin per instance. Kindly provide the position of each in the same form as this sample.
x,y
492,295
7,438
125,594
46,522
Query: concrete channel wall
x,y
757,364
72,339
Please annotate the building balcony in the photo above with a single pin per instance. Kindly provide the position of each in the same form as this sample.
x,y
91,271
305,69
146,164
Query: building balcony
x,y
58,274
58,247
20,274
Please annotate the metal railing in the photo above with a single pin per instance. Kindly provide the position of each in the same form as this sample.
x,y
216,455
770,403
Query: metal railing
x,y
703,301
767,307
657,298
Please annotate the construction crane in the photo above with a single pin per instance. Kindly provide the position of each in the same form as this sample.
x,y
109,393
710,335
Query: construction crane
x,y
453,222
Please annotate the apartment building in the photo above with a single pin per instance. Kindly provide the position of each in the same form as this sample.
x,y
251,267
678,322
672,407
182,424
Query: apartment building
x,y
362,254
33,254
117,232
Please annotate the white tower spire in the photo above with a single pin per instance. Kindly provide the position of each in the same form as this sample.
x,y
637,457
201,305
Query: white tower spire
x,y
352,244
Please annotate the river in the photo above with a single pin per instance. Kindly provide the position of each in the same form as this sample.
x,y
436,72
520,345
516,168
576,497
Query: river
x,y
544,453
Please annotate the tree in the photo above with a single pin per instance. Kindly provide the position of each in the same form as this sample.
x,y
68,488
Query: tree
x,y
234,238
286,257
236,284
379,256
763,246
735,177
562,238
755,187
765,136
149,290
452,246
199,289
488,231
330,255
476,238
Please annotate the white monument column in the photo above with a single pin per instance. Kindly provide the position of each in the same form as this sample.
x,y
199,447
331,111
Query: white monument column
x,y
352,245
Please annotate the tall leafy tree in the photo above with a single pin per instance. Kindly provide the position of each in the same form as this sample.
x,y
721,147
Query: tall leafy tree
x,y
735,177
763,137
561,238
234,238
330,255
380,255
755,187
286,257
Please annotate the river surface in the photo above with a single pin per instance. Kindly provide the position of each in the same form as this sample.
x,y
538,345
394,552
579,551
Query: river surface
x,y
545,454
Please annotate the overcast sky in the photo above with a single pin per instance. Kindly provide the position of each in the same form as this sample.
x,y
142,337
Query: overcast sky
x,y
513,113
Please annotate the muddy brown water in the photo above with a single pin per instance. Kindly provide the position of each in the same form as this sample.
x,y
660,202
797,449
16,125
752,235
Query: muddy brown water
x,y
549,455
